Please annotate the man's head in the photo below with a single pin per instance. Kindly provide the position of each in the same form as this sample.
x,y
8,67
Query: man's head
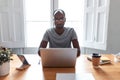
x,y
59,18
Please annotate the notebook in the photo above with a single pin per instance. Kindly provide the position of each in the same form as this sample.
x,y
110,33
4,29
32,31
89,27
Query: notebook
x,y
24,61
58,57
74,76
103,60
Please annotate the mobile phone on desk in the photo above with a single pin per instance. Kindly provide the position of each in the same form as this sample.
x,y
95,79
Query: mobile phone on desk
x,y
24,61
23,67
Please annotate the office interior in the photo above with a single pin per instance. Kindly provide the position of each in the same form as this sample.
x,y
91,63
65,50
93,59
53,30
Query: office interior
x,y
109,44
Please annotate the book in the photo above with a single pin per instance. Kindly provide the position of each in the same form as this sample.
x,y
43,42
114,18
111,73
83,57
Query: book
x,y
103,59
74,76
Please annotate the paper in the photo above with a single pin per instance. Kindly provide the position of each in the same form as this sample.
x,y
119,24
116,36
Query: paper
x,y
74,76
103,60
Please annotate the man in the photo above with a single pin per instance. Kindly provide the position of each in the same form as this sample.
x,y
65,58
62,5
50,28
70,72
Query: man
x,y
60,36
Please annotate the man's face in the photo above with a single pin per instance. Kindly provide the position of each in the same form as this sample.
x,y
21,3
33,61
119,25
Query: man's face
x,y
59,20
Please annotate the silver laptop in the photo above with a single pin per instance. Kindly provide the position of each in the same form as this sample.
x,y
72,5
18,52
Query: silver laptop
x,y
58,57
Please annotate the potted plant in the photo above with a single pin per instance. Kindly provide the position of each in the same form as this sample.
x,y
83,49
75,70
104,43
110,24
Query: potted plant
x,y
4,61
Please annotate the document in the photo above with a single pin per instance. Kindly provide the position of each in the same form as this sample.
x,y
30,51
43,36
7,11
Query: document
x,y
74,76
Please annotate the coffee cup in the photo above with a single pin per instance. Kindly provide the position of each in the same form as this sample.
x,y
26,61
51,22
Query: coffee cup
x,y
96,60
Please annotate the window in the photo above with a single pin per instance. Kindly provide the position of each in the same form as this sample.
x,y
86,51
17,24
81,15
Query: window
x,y
87,17
96,19
11,24
39,18
74,15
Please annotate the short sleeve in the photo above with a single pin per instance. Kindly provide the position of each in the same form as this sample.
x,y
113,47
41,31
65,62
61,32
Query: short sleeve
x,y
74,35
45,36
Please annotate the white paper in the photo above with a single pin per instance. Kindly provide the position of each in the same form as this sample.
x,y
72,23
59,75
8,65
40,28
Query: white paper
x,y
74,76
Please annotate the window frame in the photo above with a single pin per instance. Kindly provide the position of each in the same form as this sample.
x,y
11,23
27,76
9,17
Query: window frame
x,y
92,42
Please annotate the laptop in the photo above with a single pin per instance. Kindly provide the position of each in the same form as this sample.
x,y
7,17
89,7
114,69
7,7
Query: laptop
x,y
24,61
58,57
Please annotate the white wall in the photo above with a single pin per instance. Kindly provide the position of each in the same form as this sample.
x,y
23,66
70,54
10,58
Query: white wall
x,y
113,42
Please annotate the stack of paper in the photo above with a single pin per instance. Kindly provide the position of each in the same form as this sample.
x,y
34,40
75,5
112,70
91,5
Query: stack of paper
x,y
105,60
74,76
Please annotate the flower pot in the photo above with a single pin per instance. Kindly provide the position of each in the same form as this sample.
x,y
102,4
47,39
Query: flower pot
x,y
4,68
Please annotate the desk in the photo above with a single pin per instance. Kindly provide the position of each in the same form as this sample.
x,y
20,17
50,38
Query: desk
x,y
36,72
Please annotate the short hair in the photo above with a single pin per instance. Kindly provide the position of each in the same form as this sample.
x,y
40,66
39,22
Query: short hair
x,y
58,10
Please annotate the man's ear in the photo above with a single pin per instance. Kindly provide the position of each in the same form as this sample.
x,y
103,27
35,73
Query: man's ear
x,y
65,19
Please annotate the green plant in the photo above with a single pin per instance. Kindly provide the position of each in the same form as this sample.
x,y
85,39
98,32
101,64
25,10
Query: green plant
x,y
4,55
